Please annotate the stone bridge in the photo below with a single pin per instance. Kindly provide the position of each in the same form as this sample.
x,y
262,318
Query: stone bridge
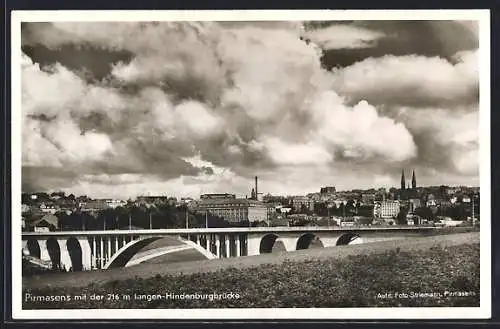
x,y
86,250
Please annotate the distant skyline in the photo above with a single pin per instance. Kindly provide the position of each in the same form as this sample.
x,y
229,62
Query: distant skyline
x,y
186,108
166,194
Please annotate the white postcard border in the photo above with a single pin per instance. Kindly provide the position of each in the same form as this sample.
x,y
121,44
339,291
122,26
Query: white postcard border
x,y
484,311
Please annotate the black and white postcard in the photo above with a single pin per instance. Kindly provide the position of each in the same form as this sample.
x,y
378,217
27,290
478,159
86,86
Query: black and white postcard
x,y
251,164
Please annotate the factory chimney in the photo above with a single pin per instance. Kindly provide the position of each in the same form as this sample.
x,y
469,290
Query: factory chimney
x,y
256,190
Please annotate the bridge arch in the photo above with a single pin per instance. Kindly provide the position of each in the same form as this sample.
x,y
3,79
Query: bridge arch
x,y
267,243
349,238
54,252
33,248
122,256
125,253
305,241
75,253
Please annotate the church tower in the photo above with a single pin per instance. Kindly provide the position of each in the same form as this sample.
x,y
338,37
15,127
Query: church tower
x,y
403,183
413,181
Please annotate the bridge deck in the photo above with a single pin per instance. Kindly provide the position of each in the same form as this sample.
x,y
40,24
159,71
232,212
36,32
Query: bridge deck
x,y
278,229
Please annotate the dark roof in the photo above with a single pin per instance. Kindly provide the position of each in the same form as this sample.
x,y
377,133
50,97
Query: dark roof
x,y
229,201
47,219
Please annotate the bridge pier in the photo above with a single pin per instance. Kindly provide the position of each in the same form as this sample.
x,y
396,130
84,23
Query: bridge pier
x,y
227,242
101,256
66,262
217,245
238,246
44,252
86,253
108,243
25,247
253,243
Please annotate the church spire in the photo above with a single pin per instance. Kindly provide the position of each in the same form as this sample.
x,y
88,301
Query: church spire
x,y
403,183
413,181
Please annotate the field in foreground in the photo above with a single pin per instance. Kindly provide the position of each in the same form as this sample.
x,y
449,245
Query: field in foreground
x,y
438,275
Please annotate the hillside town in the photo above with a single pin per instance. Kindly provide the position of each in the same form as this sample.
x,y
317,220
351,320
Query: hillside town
x,y
407,205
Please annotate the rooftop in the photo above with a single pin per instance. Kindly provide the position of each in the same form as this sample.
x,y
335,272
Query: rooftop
x,y
229,201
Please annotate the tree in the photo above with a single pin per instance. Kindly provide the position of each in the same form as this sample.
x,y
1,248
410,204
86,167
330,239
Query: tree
x,y
366,220
401,217
365,211
304,209
321,209
341,209
63,220
457,212
58,193
424,212
350,206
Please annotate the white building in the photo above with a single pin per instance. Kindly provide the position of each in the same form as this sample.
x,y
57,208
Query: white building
x,y
431,203
48,209
235,210
387,209
116,203
186,200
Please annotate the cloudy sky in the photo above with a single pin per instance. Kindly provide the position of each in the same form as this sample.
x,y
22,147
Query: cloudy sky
x,y
183,108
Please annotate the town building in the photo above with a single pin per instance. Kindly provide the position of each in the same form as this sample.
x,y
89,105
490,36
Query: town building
x,y
408,191
186,201
48,222
148,201
235,210
93,205
317,196
48,208
387,209
212,196
368,198
299,201
414,204
111,203
452,190
327,190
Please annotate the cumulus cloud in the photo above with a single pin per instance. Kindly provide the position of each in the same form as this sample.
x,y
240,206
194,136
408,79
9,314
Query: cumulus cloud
x,y
454,134
202,106
360,132
411,80
283,153
401,38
